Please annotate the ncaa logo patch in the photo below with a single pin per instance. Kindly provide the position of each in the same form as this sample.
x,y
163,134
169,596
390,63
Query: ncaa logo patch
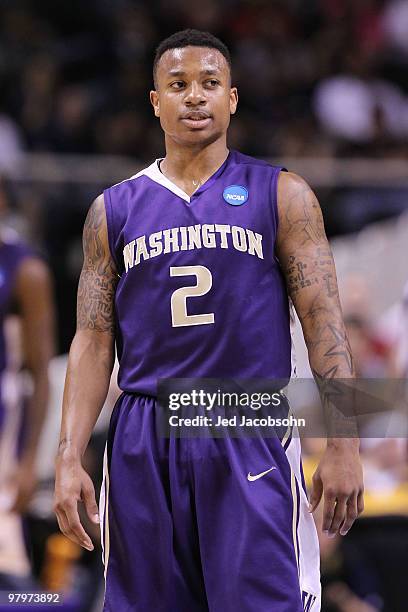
x,y
236,195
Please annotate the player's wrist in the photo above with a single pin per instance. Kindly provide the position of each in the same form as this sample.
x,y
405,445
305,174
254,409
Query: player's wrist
x,y
343,444
68,451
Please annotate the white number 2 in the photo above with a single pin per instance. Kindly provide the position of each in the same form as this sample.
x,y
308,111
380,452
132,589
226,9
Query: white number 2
x,y
179,315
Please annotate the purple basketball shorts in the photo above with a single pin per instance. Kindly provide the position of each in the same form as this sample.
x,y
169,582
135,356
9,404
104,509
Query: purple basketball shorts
x,y
204,524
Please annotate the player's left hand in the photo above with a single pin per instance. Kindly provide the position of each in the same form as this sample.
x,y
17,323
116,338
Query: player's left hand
x,y
339,478
24,483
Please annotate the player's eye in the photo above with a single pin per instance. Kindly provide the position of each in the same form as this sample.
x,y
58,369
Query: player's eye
x,y
177,84
212,82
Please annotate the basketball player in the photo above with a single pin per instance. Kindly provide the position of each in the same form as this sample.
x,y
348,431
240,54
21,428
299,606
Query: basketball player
x,y
25,287
185,268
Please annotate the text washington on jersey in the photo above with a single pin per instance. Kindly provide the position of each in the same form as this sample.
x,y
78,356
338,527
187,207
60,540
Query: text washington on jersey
x,y
208,236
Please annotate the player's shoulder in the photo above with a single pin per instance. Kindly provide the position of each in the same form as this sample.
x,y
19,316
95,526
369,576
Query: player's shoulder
x,y
291,184
296,201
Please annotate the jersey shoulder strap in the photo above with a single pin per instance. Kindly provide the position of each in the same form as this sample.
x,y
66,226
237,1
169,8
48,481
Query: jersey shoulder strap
x,y
118,201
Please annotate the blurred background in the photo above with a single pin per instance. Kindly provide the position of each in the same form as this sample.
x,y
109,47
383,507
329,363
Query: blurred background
x,y
323,88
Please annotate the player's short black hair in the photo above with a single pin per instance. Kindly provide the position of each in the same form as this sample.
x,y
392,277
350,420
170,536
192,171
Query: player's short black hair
x,y
190,38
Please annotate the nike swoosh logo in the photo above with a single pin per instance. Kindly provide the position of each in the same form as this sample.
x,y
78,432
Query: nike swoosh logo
x,y
256,476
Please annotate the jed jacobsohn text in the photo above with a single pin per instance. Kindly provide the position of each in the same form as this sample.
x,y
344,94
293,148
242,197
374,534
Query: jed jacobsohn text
x,y
204,399
234,421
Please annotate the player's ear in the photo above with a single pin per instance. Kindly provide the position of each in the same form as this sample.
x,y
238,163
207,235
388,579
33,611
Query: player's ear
x,y
233,100
154,100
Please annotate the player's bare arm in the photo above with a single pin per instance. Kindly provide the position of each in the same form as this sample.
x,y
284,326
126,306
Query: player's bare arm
x,y
33,295
90,366
308,267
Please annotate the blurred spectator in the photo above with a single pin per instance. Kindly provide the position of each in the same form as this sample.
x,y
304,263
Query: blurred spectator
x,y
357,106
393,329
38,86
11,141
396,24
385,460
72,119
371,356
62,68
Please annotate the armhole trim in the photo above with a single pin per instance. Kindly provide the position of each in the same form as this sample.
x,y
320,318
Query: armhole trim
x,y
110,226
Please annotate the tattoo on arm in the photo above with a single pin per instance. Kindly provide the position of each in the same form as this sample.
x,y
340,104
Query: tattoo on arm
x,y
298,275
97,283
62,445
341,346
335,353
331,289
308,266
304,217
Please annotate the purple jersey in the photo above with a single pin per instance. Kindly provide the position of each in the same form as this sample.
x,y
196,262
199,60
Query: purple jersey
x,y
201,292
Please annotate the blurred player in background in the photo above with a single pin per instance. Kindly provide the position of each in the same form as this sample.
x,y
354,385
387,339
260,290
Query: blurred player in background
x,y
220,524
26,346
26,290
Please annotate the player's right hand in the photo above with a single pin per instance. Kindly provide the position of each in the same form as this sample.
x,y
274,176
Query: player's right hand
x,y
73,485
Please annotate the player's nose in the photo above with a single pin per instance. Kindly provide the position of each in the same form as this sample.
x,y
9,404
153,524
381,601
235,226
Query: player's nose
x,y
195,94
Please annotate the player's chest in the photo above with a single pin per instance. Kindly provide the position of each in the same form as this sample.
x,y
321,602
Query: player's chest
x,y
165,224
217,211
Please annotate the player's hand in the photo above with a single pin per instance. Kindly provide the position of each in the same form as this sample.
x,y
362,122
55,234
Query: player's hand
x,y
339,478
73,485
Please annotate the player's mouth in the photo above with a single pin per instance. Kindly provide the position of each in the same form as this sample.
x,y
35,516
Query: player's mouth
x,y
196,119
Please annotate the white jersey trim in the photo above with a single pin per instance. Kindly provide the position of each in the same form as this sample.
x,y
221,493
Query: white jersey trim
x,y
292,318
153,172
305,540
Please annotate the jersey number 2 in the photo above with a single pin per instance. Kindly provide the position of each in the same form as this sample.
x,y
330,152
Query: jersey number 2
x,y
179,316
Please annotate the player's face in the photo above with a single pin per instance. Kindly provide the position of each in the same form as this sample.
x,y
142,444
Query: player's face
x,y
193,98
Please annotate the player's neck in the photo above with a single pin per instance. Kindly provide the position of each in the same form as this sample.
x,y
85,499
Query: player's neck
x,y
190,167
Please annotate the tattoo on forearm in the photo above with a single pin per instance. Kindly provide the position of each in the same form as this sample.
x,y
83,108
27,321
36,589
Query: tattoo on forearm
x,y
328,346
341,346
62,445
297,275
331,289
324,257
339,405
331,351
97,283
309,270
